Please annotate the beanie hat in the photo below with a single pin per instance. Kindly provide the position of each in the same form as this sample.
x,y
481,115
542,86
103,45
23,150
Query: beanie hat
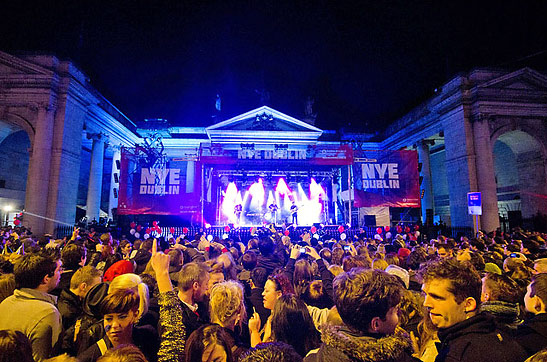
x,y
403,253
118,268
400,272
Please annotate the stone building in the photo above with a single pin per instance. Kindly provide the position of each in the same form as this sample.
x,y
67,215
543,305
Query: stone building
x,y
485,131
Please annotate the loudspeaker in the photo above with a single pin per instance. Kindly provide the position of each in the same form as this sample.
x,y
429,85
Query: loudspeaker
x,y
116,178
118,164
115,191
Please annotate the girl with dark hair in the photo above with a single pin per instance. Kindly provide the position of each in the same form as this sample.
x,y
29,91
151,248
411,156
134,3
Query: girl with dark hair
x,y
210,342
292,324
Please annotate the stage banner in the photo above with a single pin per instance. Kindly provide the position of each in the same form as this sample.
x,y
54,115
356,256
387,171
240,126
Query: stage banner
x,y
169,189
386,178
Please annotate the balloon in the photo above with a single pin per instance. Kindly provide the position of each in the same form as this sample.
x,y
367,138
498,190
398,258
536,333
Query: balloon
x,y
407,229
210,237
155,223
132,224
387,228
388,235
313,229
287,232
378,230
146,236
417,227
137,235
343,236
147,230
16,222
139,228
224,236
185,230
172,230
341,229
158,229
227,228
399,229
132,231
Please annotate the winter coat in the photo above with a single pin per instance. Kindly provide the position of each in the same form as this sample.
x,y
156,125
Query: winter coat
x,y
342,345
70,307
532,334
478,339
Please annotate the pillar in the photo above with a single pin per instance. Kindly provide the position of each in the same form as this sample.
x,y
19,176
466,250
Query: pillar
x,y
427,183
113,198
37,190
190,176
486,178
95,177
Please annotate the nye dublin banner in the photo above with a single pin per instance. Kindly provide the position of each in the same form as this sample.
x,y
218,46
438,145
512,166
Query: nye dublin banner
x,y
164,188
386,178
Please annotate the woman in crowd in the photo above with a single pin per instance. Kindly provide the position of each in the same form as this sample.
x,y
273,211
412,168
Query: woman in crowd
x,y
120,311
125,249
292,324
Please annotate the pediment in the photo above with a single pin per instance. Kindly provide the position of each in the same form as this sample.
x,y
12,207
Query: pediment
x,y
263,123
523,79
12,65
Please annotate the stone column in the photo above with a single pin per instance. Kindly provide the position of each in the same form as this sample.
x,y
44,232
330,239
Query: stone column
x,y
95,177
37,190
427,184
113,201
190,175
486,178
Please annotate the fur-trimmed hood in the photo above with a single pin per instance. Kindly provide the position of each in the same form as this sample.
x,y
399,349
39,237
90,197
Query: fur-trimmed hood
x,y
340,344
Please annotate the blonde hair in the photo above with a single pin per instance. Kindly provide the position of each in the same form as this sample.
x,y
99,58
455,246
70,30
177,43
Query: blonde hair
x,y
379,264
132,281
227,302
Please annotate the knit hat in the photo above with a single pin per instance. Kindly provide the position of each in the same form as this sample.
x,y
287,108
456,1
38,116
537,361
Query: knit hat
x,y
403,253
118,268
400,272
492,268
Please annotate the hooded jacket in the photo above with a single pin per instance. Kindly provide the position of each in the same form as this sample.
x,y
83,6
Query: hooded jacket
x,y
342,345
477,339
532,334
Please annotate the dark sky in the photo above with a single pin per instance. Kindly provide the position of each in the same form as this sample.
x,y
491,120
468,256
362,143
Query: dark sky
x,y
364,62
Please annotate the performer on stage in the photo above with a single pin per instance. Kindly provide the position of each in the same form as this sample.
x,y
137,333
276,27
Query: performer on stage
x,y
273,211
237,212
294,213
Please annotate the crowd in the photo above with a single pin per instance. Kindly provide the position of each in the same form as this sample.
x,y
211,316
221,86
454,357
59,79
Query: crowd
x,y
90,297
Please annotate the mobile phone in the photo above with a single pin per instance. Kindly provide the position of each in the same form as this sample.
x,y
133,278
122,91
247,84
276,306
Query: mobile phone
x,y
346,248
514,255
303,250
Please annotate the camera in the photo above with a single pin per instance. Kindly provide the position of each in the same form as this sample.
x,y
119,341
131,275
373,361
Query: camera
x,y
303,250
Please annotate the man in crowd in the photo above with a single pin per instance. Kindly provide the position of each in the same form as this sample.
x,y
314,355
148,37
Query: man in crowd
x,y
31,310
452,297
368,303
70,300
73,258
192,288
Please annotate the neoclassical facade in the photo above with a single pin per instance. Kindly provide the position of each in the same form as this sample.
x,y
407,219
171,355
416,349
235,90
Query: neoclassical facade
x,y
484,131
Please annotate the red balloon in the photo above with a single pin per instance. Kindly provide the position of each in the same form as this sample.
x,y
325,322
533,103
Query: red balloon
x,y
313,229
287,232
341,229
132,225
172,230
227,228
155,223
147,231
407,229
185,230
417,227
16,222
139,228
378,230
386,228
399,229
158,229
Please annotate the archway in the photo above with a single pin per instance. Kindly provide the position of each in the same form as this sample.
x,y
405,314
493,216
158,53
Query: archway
x,y
519,163
14,160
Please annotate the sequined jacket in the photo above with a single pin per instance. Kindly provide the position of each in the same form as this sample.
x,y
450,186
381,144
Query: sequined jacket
x,y
173,334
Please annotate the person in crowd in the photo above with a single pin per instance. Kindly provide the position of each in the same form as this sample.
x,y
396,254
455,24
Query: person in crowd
x,y
142,256
134,282
73,257
120,311
123,353
7,285
267,258
118,268
70,300
125,248
193,286
31,309
259,276
367,301
292,324
176,260
532,334
452,298
248,262
15,346
540,266
444,251
500,296
228,310
272,351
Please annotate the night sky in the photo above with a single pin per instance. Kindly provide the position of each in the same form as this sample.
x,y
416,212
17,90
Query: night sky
x,y
364,62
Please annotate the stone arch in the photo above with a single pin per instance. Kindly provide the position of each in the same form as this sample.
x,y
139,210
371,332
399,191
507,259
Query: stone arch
x,y
16,121
521,171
